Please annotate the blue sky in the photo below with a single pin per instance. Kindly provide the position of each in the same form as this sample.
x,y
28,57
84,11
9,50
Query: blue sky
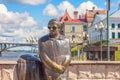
x,y
24,19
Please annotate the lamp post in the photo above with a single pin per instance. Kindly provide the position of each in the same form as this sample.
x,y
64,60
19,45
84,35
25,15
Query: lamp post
x,y
85,38
101,37
108,42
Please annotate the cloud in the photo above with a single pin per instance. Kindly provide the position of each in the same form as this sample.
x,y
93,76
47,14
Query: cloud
x,y
86,5
17,26
51,10
65,5
3,9
30,2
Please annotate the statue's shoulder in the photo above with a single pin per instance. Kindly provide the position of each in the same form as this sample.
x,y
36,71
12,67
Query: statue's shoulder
x,y
44,38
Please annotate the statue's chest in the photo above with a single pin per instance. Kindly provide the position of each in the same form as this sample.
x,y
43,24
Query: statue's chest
x,y
56,50
57,46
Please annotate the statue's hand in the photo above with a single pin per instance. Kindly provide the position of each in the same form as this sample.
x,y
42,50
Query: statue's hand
x,y
59,68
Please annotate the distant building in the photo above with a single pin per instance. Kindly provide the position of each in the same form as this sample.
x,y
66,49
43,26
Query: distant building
x,y
72,28
114,27
90,14
94,32
89,18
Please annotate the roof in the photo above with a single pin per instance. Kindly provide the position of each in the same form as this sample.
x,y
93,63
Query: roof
x,y
116,14
98,18
91,13
97,48
67,18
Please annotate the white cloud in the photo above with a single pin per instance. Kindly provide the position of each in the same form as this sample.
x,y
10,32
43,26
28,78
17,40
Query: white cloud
x,y
17,26
3,9
50,10
86,5
30,2
65,5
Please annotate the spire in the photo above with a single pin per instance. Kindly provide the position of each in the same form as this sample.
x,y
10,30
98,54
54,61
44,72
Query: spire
x,y
65,10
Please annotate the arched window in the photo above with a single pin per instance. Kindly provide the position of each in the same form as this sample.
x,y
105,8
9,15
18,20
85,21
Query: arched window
x,y
73,29
85,28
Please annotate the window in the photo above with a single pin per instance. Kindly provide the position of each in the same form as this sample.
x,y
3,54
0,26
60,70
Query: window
x,y
113,26
73,29
118,34
118,26
73,36
85,28
66,19
113,35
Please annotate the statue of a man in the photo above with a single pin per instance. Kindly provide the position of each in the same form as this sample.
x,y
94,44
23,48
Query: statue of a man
x,y
54,50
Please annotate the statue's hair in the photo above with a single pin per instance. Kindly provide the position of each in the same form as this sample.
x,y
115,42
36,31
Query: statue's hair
x,y
55,21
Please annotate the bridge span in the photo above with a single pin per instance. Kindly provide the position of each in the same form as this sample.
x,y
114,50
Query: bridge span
x,y
5,46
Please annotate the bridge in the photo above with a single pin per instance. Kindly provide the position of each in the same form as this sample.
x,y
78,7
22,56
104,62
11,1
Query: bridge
x,y
5,46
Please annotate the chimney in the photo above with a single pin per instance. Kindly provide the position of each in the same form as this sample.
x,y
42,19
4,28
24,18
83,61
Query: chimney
x,y
75,14
93,8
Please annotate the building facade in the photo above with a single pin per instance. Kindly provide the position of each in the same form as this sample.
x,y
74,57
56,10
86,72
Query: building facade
x,y
74,31
114,28
72,28
95,32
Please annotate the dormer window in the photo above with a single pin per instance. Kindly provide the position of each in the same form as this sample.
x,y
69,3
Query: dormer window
x,y
66,19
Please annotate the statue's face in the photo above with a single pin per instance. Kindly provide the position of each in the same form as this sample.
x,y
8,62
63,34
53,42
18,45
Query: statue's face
x,y
54,29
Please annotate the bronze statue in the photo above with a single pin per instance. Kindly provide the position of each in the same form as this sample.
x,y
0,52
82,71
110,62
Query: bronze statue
x,y
54,50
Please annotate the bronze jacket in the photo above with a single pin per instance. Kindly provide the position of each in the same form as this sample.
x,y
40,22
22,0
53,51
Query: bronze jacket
x,y
54,50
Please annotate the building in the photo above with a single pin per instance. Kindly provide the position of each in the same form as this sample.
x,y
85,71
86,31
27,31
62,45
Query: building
x,y
94,31
114,27
72,28
89,18
98,33
90,14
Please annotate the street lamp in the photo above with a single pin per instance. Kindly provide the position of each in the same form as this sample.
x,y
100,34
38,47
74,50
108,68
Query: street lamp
x,y
108,42
100,27
85,38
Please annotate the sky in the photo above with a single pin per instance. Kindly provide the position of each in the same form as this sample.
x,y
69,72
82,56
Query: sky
x,y
25,19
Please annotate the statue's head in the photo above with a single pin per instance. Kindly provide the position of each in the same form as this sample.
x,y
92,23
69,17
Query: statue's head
x,y
54,26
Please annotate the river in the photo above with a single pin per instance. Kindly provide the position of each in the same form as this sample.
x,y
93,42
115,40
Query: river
x,y
13,55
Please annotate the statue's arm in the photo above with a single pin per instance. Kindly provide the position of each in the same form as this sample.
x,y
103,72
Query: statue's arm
x,y
67,61
51,65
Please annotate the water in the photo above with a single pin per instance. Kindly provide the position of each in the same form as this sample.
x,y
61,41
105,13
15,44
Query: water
x,y
13,56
